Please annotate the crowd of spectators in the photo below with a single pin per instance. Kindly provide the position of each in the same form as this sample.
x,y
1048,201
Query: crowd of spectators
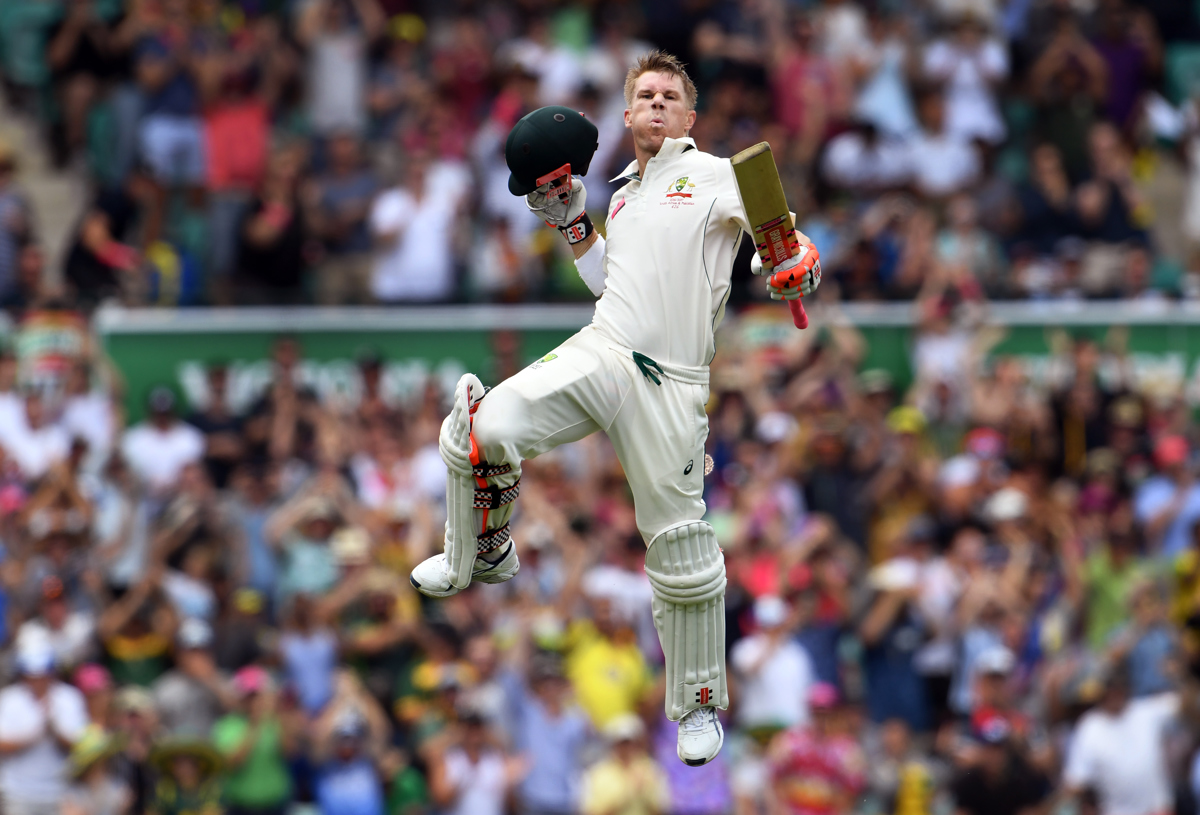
x,y
350,151
980,594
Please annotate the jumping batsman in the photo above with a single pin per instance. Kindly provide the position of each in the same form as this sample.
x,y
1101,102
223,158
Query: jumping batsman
x,y
639,372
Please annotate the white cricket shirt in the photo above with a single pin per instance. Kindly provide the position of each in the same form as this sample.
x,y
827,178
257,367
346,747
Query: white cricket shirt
x,y
671,238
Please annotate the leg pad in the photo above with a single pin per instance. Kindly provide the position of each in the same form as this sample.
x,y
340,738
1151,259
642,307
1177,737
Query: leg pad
x,y
687,575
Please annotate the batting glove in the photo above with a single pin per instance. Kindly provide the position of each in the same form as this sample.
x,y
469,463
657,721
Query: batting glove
x,y
567,214
796,277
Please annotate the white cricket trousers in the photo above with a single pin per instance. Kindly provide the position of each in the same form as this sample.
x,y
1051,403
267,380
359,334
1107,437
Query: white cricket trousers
x,y
591,383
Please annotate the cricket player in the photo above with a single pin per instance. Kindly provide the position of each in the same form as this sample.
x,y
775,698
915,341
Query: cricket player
x,y
639,372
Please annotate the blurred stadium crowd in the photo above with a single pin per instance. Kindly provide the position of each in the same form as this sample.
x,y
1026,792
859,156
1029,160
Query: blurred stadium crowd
x,y
348,151
979,594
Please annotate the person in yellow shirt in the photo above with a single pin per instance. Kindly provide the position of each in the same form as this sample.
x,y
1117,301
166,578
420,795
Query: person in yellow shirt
x,y
628,781
604,664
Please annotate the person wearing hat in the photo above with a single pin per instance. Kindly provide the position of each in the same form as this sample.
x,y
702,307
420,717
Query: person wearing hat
x,y
70,632
302,530
1000,780
348,745
628,781
96,684
191,696
40,720
189,779
160,446
255,746
639,372
816,767
1119,749
766,661
469,775
135,722
1167,504
95,788
549,729
37,443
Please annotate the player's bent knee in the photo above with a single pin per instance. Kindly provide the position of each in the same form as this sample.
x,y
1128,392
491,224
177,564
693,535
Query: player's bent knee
x,y
495,427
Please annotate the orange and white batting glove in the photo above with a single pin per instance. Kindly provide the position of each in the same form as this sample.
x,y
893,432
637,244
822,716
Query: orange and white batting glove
x,y
567,213
796,277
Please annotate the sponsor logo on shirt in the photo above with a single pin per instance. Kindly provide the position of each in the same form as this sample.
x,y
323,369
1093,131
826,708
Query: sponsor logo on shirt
x,y
617,209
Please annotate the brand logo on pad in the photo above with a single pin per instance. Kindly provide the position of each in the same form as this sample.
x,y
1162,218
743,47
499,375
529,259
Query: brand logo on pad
x,y
703,696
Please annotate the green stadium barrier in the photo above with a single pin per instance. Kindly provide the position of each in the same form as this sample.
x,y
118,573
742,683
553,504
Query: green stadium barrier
x,y
174,346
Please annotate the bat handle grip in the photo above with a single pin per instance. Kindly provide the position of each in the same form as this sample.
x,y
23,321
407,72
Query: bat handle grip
x,y
799,317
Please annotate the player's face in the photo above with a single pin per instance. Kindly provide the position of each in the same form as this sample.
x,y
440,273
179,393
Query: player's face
x,y
659,109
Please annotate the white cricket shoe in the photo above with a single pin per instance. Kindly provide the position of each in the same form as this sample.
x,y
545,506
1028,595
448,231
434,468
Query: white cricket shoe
x,y
700,736
432,575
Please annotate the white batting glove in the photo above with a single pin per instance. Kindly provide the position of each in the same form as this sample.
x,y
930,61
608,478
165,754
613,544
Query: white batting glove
x,y
553,210
796,277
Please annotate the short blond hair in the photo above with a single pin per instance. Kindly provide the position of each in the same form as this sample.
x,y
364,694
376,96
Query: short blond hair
x,y
660,62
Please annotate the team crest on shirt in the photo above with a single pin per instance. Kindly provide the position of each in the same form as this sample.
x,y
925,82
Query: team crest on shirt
x,y
680,188
544,360
678,191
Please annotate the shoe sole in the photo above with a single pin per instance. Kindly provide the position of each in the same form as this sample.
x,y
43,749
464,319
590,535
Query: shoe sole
x,y
431,592
482,577
700,762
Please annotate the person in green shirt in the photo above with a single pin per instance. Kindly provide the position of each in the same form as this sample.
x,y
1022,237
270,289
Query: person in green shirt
x,y
254,744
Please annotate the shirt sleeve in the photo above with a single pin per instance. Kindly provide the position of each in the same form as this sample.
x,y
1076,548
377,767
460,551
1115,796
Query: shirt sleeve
x,y
389,212
593,266
70,712
728,206
14,723
1149,500
1162,707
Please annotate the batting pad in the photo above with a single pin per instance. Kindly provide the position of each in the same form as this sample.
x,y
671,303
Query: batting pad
x,y
687,575
479,495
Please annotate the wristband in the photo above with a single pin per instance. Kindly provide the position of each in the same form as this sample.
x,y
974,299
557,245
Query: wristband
x,y
578,230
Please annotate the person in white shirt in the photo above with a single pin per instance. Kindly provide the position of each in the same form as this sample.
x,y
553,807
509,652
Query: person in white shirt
x,y
36,444
1119,750
774,670
158,448
970,64
40,719
942,162
87,414
69,633
412,225
639,372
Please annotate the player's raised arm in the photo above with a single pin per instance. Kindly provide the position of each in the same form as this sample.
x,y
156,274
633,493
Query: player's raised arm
x,y
546,152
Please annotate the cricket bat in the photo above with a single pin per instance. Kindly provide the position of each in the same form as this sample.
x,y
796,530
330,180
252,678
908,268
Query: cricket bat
x,y
767,212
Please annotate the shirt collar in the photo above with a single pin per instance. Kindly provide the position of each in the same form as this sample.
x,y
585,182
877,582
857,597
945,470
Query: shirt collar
x,y
670,148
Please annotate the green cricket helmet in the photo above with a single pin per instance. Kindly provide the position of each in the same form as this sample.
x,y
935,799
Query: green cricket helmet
x,y
543,142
